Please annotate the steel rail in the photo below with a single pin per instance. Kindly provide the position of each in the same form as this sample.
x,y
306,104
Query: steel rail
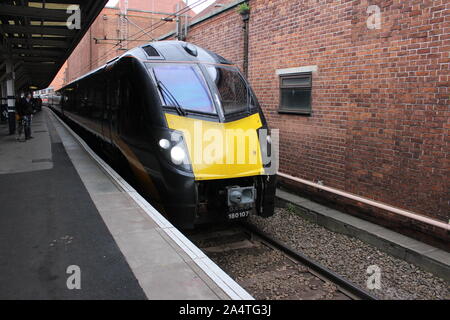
x,y
343,284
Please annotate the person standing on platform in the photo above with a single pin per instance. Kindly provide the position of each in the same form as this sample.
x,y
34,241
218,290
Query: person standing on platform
x,y
20,121
26,110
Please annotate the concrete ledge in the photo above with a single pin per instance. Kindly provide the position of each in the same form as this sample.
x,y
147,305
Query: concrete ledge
x,y
429,258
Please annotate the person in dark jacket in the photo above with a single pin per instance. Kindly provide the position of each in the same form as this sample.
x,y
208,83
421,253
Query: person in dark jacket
x,y
38,104
20,120
25,111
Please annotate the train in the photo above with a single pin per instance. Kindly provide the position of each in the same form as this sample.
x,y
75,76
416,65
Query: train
x,y
186,123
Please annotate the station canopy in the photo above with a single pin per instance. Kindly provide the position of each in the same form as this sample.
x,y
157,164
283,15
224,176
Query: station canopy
x,y
35,36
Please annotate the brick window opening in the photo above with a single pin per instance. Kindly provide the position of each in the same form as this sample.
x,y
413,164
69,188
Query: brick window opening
x,y
295,93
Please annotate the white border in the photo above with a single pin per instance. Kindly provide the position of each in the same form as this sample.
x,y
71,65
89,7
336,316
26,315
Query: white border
x,y
280,72
223,280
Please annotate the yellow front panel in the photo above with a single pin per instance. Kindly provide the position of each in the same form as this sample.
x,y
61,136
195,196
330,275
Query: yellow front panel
x,y
221,150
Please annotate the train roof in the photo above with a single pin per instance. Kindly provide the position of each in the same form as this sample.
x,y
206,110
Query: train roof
x,y
169,50
173,50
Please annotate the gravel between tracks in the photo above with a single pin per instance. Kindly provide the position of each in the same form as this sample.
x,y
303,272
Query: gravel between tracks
x,y
350,258
267,274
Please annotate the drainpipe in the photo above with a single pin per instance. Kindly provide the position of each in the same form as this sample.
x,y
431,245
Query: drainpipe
x,y
245,18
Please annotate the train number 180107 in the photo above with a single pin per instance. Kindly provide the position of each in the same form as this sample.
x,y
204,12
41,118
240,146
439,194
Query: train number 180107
x,y
238,215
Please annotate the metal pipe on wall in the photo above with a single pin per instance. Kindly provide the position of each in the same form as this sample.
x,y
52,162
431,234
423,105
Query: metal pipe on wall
x,y
245,18
370,202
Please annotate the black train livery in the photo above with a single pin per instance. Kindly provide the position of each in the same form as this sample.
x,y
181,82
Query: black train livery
x,y
188,125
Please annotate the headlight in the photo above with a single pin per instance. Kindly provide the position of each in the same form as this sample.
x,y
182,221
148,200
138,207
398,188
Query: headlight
x,y
171,146
164,143
177,155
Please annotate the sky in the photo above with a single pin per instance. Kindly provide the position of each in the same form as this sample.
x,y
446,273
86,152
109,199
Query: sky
x,y
200,7
112,3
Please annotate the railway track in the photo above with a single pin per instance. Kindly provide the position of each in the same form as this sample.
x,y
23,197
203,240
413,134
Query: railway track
x,y
268,269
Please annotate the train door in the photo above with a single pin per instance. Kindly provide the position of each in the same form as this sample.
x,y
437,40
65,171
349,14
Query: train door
x,y
114,107
127,125
133,116
106,119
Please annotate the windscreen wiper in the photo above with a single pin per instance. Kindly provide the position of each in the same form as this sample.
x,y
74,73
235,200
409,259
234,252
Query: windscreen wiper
x,y
173,101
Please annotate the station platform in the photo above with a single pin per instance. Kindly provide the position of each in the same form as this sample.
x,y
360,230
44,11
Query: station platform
x,y
62,206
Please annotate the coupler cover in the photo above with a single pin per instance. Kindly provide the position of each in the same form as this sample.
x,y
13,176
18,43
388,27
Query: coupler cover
x,y
241,196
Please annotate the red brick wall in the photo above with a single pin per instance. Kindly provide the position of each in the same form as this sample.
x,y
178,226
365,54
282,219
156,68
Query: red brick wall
x,y
380,124
59,79
222,34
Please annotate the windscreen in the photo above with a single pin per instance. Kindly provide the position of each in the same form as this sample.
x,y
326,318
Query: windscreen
x,y
232,88
183,85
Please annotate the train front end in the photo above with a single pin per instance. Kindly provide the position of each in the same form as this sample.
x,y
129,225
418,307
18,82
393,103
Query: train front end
x,y
219,160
